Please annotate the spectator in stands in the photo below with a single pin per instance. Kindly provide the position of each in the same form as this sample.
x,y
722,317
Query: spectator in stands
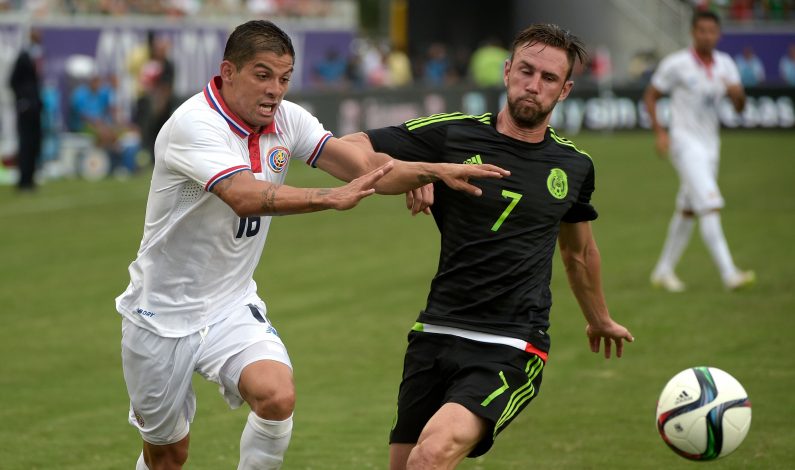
x,y
752,71
137,58
437,65
786,66
24,81
487,63
741,10
51,125
92,111
330,71
157,102
398,67
459,64
642,65
374,67
91,107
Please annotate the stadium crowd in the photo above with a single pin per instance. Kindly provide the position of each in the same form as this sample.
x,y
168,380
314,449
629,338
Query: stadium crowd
x,y
749,10
176,8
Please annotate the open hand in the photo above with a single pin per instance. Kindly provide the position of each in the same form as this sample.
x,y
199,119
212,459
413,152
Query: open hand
x,y
457,176
611,333
348,196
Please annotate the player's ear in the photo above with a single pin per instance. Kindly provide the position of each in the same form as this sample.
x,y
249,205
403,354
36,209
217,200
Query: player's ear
x,y
505,69
227,70
566,90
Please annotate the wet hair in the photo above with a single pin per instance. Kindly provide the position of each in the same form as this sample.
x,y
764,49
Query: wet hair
x,y
704,15
554,36
253,37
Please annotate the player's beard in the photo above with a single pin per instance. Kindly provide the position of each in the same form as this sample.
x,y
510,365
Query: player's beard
x,y
527,115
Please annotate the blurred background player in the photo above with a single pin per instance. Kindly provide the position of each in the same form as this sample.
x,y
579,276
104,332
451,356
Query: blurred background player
x,y
697,78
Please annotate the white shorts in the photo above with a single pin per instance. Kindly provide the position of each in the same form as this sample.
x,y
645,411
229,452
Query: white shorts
x,y
158,371
697,166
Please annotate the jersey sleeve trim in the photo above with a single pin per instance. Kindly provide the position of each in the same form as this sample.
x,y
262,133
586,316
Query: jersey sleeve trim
x,y
223,175
415,124
312,160
563,141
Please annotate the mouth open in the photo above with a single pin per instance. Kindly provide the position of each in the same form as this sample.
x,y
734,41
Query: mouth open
x,y
268,109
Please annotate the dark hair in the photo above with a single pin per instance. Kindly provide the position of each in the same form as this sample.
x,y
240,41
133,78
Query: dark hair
x,y
704,15
253,37
554,36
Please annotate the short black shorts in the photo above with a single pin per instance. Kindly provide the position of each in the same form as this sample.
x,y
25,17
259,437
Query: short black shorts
x,y
493,381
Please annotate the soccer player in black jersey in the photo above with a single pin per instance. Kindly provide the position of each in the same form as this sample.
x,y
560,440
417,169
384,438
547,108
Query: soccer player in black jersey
x,y
476,353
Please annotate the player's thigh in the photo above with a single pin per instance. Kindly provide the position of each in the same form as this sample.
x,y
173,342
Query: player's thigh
x,y
158,372
696,166
454,426
494,382
422,387
247,342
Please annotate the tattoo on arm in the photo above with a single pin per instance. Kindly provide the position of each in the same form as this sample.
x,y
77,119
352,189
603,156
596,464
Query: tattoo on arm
x,y
269,199
314,197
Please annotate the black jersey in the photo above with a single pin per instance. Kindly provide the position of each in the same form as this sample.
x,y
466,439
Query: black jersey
x,y
497,250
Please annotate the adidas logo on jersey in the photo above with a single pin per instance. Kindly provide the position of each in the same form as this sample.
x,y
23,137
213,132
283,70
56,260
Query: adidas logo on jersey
x,y
683,397
473,160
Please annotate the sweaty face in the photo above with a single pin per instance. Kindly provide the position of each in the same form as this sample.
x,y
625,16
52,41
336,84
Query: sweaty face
x,y
255,91
536,80
706,34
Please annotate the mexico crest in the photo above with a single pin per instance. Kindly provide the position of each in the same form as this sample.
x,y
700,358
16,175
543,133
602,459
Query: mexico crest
x,y
278,158
557,183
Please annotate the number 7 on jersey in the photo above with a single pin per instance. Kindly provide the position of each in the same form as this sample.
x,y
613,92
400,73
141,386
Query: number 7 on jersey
x,y
514,197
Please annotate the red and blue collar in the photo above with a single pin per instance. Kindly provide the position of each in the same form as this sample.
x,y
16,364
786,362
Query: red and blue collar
x,y
212,93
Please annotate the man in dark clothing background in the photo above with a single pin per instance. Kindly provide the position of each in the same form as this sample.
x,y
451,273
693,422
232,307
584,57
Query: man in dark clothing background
x,y
24,82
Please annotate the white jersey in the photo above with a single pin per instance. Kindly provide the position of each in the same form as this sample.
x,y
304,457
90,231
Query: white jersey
x,y
696,90
197,257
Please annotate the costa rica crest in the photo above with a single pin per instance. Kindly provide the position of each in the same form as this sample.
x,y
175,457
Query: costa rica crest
x,y
278,158
557,183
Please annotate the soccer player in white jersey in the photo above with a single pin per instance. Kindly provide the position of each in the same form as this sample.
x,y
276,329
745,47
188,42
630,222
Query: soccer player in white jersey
x,y
697,78
191,304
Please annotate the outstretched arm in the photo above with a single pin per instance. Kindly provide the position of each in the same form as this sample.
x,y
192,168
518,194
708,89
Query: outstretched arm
x,y
583,268
352,155
248,196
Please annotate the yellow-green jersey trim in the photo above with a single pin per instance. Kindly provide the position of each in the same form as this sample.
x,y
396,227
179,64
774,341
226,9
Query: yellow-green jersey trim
x,y
566,142
415,124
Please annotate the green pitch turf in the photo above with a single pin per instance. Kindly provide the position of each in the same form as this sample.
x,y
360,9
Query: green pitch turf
x,y
344,288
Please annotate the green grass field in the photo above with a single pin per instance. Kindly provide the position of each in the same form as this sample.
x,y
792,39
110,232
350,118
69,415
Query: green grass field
x,y
344,288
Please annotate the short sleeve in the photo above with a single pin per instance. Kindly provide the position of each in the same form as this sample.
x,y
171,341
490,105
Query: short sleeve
x,y
198,149
582,210
306,134
664,78
424,145
731,72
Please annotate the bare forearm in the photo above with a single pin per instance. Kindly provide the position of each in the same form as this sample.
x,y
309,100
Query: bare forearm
x,y
263,198
737,96
406,176
584,273
650,100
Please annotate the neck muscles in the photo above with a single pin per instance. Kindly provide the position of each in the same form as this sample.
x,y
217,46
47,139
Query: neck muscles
x,y
506,125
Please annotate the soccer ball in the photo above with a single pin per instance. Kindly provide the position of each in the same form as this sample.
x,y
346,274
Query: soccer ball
x,y
703,413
